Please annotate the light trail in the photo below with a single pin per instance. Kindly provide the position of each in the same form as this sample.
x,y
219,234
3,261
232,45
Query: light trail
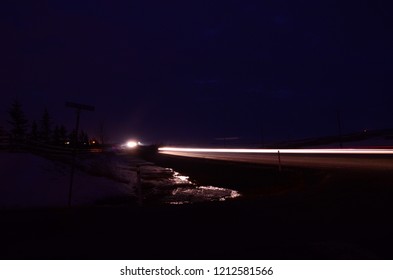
x,y
365,159
282,151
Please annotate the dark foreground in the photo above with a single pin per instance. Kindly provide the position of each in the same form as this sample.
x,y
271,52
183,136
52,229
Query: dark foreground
x,y
295,214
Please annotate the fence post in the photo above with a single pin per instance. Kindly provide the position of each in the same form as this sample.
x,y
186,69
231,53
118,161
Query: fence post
x,y
279,161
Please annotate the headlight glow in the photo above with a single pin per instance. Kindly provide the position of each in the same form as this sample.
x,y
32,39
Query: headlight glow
x,y
131,144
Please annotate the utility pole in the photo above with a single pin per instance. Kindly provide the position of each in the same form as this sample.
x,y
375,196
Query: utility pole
x,y
79,108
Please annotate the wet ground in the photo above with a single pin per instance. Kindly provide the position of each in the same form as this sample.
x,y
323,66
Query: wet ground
x,y
165,185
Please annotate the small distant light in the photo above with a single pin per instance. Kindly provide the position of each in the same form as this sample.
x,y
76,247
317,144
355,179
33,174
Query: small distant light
x,y
93,142
365,130
67,143
132,144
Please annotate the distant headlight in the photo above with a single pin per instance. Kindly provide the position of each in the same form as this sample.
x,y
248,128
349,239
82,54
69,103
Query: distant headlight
x,y
131,144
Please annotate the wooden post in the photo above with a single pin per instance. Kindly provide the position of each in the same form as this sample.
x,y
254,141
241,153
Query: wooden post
x,y
74,151
79,108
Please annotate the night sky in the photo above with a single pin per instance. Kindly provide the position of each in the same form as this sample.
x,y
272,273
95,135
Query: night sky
x,y
189,72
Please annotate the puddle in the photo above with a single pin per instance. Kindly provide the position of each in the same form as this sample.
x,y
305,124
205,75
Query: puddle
x,y
185,191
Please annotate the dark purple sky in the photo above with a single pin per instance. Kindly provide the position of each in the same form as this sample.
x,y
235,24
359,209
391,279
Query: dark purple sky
x,y
191,71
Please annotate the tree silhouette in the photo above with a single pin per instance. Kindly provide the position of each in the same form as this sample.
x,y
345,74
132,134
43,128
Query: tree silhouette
x,y
73,138
45,127
101,133
56,136
34,131
18,122
62,135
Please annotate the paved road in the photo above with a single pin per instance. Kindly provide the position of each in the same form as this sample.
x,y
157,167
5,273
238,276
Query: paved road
x,y
358,159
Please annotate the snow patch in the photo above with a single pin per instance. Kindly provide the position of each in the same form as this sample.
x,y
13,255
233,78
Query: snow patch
x,y
31,181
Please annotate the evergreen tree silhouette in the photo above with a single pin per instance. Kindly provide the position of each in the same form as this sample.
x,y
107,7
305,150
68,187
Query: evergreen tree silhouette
x,y
18,122
56,136
34,131
45,127
63,135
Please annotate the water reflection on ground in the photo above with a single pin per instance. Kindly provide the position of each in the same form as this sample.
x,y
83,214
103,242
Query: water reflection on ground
x,y
186,191
171,187
165,185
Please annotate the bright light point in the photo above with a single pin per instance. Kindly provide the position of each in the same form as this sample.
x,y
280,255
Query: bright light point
x,y
132,144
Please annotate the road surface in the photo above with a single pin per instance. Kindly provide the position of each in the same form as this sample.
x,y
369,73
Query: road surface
x,y
381,159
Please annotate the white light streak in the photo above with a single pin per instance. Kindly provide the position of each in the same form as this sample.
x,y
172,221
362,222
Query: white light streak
x,y
282,151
